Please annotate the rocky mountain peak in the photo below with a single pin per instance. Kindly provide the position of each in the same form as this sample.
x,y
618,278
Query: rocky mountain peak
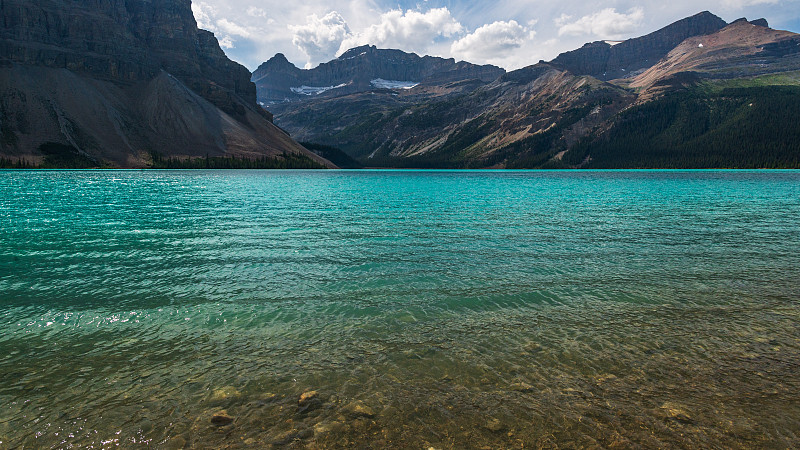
x,y
278,61
358,51
741,49
606,62
361,69
277,67
759,22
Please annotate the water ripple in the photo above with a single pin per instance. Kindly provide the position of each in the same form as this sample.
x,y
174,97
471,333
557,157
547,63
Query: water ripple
x,y
454,309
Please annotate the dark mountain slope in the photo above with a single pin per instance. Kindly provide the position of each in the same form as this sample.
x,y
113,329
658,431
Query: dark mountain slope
x,y
546,106
116,81
753,127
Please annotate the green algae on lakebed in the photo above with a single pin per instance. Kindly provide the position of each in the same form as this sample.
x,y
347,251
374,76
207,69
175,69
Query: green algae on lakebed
x,y
399,309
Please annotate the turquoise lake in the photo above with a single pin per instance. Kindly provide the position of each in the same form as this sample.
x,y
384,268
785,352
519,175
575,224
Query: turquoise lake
x,y
414,309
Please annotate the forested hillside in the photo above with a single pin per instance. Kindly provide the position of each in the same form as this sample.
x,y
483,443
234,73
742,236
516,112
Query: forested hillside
x,y
753,127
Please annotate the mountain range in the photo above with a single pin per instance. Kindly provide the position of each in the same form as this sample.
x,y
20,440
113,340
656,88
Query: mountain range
x,y
128,83
362,69
697,93
135,83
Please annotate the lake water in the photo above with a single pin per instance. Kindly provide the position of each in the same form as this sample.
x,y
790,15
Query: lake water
x,y
422,308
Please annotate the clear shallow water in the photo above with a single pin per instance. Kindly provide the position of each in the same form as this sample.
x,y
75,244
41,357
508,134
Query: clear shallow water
x,y
426,309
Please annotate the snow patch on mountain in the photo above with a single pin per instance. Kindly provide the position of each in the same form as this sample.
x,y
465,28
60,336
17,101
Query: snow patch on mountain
x,y
380,83
314,90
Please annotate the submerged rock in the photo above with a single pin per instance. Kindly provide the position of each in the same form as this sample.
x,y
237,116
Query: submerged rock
x,y
494,425
358,409
307,397
389,412
308,401
221,419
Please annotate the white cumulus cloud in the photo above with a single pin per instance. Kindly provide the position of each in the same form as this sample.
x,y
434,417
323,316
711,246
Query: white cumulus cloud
x,y
738,4
413,31
226,42
232,29
203,13
254,30
607,23
253,11
227,31
492,42
320,37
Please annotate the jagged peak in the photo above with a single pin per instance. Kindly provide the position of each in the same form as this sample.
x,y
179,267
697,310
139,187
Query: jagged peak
x,y
278,61
762,22
743,22
356,51
705,13
704,16
606,61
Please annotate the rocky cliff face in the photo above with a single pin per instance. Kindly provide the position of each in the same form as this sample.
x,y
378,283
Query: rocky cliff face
x,y
120,56
607,61
125,42
355,70
275,78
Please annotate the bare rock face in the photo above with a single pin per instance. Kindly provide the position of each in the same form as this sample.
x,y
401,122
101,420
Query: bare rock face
x,y
609,60
741,49
275,78
115,62
124,42
355,70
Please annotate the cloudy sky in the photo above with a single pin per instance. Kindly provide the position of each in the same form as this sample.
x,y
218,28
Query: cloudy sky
x,y
507,33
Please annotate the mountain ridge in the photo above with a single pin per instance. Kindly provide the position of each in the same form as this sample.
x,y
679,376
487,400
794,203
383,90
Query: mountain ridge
x,y
546,115
607,62
279,81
